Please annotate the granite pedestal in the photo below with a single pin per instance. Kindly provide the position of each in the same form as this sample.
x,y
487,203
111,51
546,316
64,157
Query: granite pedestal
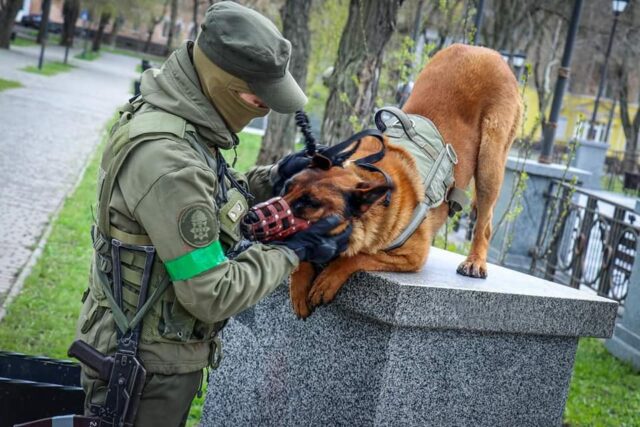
x,y
590,156
426,349
513,241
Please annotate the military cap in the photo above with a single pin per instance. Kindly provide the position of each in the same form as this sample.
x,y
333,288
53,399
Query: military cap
x,y
247,45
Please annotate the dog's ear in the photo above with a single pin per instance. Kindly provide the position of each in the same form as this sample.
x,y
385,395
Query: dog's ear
x,y
321,161
365,195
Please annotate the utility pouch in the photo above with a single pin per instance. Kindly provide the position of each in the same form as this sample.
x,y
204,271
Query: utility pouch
x,y
230,215
176,323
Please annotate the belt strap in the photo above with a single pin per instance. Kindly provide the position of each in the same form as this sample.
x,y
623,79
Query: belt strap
x,y
128,238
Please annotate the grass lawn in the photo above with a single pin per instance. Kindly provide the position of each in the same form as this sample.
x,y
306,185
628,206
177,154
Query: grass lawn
x,y
89,56
9,84
49,68
604,391
41,320
20,41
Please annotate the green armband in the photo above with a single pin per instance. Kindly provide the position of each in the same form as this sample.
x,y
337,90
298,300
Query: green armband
x,y
195,262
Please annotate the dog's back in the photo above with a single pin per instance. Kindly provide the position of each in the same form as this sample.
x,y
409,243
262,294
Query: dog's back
x,y
472,97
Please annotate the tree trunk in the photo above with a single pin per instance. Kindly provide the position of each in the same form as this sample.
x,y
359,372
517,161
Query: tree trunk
x,y
194,30
630,126
97,38
353,86
153,24
113,35
279,138
70,12
8,11
172,26
44,22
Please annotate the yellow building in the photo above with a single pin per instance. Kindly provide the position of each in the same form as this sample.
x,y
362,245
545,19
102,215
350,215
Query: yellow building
x,y
574,118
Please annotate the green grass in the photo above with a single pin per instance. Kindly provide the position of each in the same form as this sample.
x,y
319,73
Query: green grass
x,y
88,56
604,391
49,68
22,42
248,150
9,84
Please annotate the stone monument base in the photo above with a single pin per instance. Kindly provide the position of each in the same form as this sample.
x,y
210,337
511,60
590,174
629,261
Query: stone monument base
x,y
426,349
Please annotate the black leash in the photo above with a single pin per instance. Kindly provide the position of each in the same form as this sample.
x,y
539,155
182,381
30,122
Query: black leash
x,y
302,121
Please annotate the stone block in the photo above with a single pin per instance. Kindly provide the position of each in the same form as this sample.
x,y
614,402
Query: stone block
x,y
590,156
426,349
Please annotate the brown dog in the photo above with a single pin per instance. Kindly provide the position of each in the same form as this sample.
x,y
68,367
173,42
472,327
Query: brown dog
x,y
472,97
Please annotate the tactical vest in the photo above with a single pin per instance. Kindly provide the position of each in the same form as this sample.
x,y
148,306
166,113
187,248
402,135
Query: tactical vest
x,y
165,320
434,159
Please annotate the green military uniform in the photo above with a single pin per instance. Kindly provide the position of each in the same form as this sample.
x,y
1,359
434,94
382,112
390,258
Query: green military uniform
x,y
161,184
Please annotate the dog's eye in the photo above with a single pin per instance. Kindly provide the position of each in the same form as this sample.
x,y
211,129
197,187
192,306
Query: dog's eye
x,y
313,203
305,202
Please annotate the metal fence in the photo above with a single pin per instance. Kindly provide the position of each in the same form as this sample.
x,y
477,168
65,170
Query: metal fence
x,y
585,240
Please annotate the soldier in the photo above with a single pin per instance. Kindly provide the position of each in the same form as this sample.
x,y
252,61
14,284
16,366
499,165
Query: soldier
x,y
169,208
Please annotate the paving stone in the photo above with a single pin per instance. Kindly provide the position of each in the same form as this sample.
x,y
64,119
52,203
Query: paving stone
x,y
49,129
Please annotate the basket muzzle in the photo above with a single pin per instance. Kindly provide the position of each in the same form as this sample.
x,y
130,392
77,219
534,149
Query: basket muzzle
x,y
272,220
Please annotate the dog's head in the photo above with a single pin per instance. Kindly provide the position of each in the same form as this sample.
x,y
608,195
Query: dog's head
x,y
320,191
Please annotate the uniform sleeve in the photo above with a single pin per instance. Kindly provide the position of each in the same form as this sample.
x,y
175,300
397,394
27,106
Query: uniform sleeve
x,y
181,219
261,179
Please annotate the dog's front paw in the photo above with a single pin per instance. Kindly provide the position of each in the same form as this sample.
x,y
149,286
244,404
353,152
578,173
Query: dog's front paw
x,y
300,306
324,289
473,267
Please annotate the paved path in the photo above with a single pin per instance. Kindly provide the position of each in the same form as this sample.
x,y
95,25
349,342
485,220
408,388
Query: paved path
x,y
48,128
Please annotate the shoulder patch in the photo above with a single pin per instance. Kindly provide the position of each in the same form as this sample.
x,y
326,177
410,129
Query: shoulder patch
x,y
198,225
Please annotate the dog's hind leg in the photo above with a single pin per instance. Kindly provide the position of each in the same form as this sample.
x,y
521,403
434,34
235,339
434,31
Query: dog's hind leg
x,y
492,157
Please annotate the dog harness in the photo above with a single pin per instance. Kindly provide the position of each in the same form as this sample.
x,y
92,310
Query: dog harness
x,y
435,161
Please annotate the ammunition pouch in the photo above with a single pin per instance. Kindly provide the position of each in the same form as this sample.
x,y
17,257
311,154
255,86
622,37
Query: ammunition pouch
x,y
165,318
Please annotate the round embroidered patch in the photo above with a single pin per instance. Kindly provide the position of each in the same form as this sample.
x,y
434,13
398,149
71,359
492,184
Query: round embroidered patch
x,y
198,225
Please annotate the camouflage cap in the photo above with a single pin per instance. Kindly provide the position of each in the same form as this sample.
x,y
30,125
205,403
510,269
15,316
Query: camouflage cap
x,y
247,45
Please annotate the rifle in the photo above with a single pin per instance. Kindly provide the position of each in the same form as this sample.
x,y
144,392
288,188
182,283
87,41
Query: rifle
x,y
125,377
123,372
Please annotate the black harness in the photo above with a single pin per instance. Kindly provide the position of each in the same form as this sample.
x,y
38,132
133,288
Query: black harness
x,y
325,158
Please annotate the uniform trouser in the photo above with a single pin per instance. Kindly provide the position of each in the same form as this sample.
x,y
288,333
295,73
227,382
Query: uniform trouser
x,y
165,401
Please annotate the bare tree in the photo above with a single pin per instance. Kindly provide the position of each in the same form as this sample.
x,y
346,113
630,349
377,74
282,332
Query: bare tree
x,y
172,26
354,83
44,22
279,137
194,30
8,11
115,28
105,17
545,57
630,124
70,12
154,20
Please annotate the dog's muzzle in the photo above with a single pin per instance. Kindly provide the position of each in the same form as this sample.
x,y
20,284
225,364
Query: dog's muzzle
x,y
272,220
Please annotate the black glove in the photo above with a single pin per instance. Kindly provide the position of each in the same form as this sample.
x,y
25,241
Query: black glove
x,y
315,244
290,165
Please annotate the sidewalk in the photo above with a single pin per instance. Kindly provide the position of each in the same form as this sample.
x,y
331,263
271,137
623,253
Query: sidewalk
x,y
48,130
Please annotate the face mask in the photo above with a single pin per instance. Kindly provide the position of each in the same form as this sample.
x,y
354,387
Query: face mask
x,y
223,89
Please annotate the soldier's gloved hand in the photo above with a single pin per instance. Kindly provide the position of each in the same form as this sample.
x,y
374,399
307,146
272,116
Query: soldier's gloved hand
x,y
315,244
290,165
